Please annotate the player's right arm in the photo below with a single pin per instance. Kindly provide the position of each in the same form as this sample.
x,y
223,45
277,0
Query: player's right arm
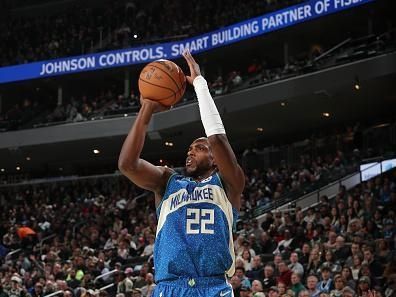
x,y
139,171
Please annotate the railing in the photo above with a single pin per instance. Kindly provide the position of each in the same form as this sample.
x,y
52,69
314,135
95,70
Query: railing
x,y
59,179
45,239
334,48
104,275
106,287
294,195
12,253
331,190
54,294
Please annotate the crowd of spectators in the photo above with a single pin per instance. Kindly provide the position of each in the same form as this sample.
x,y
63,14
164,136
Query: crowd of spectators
x,y
341,247
106,25
105,224
36,110
110,102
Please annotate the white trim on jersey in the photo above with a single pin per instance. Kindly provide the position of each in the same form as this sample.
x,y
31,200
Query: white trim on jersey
x,y
219,198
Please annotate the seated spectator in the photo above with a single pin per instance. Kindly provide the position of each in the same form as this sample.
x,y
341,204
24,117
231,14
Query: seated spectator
x,y
347,275
240,272
149,249
364,285
254,244
294,265
256,271
244,292
341,252
257,287
312,286
269,277
273,292
330,262
354,250
357,265
339,285
246,259
268,245
296,285
384,254
38,290
326,283
148,289
236,284
374,266
282,288
305,254
217,86
283,245
284,274
331,243
72,280
314,262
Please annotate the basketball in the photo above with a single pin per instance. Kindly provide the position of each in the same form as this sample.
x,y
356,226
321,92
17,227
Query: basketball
x,y
162,81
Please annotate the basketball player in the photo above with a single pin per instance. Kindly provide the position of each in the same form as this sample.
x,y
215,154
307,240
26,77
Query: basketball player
x,y
193,250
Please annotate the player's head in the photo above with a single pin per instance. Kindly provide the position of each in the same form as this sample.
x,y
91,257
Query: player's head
x,y
199,159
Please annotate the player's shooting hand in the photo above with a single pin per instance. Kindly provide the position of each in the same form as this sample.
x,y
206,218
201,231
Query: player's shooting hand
x,y
153,105
194,67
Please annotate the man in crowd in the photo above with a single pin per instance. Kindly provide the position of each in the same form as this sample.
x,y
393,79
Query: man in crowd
x,y
374,265
312,282
326,283
256,271
297,286
147,290
269,278
294,265
284,274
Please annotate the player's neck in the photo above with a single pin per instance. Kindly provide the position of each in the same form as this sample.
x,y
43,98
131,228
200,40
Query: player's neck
x,y
201,177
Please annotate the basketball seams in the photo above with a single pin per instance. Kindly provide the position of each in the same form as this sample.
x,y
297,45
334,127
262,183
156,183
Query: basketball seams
x,y
173,92
170,76
163,83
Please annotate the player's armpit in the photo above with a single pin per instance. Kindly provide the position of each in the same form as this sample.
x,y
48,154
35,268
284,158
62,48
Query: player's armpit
x,y
229,169
146,175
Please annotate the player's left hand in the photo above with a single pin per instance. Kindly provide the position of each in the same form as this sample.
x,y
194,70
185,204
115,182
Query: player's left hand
x,y
193,65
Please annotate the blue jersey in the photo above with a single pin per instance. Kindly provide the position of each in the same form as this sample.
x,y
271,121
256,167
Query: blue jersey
x,y
194,232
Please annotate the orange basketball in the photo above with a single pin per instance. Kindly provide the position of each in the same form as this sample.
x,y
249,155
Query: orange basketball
x,y
162,81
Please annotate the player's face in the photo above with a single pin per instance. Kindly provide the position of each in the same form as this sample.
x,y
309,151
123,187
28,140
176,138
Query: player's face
x,y
199,158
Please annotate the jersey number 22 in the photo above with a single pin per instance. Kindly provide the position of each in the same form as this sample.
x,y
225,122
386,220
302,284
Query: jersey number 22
x,y
198,220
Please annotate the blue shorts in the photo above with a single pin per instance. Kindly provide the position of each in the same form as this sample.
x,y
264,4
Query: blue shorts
x,y
194,287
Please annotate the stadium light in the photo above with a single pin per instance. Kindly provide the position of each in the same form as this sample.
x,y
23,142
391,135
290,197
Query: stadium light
x,y
357,84
168,143
95,151
259,129
28,158
18,168
326,114
283,103
2,169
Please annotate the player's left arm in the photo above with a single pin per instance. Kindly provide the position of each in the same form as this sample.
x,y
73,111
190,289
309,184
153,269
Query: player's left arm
x,y
224,157
229,169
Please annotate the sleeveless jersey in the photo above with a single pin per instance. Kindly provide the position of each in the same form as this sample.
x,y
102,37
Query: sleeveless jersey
x,y
194,232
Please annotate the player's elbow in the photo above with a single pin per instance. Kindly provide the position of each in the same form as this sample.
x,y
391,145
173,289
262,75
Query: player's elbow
x,y
125,165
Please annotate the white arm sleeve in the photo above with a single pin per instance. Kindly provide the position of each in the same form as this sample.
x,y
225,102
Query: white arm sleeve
x,y
210,116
